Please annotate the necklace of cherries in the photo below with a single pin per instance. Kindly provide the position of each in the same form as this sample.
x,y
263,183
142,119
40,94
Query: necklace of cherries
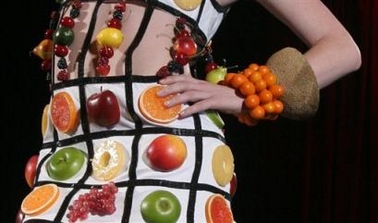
x,y
185,48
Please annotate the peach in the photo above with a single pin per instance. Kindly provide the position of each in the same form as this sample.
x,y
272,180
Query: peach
x,y
166,153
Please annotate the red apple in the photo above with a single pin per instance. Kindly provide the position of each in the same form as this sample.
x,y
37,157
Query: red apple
x,y
19,216
166,153
30,170
103,109
233,185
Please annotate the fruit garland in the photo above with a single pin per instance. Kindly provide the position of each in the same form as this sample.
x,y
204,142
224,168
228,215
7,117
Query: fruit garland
x,y
258,85
45,48
63,37
184,48
59,40
109,38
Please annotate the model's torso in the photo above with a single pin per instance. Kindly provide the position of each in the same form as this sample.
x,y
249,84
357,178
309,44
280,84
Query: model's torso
x,y
153,49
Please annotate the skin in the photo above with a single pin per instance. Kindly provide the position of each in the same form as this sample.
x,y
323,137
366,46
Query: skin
x,y
332,54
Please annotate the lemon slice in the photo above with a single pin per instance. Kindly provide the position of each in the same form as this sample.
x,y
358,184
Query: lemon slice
x,y
223,165
188,5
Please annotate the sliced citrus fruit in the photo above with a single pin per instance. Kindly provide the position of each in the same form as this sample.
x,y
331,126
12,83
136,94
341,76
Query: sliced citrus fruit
x,y
218,210
152,107
223,165
188,5
63,112
44,120
40,199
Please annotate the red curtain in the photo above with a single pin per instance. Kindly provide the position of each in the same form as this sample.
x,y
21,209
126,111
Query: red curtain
x,y
341,168
323,170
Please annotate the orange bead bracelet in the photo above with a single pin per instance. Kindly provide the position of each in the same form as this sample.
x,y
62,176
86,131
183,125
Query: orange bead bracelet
x,y
258,85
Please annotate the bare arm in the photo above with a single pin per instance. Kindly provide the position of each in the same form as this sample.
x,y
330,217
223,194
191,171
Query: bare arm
x,y
332,54
332,51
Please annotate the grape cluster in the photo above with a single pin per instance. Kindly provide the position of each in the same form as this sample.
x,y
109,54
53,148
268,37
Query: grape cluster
x,y
96,202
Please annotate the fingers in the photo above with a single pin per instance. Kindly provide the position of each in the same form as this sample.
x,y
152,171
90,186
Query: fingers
x,y
179,84
195,108
200,94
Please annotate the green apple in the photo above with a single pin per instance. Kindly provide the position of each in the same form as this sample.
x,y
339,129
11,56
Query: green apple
x,y
160,206
216,75
215,118
65,163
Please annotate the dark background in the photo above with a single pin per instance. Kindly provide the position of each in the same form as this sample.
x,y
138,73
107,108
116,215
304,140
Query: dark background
x,y
321,170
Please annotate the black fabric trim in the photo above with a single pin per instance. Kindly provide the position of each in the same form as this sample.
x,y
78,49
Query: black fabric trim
x,y
218,7
197,170
130,102
142,131
99,80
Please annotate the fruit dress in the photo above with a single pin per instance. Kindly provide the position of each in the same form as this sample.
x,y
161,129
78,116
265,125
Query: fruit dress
x,y
208,165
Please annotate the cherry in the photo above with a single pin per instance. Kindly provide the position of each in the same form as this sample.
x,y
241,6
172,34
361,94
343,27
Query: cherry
x,y
210,66
103,69
181,58
183,33
163,72
114,23
106,51
49,34
63,75
121,7
67,22
185,45
46,65
102,60
61,50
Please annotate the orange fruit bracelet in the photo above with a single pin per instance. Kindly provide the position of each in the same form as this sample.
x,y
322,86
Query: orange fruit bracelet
x,y
262,93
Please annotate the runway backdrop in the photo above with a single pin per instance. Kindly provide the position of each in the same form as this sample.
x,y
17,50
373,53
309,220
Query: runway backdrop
x,y
323,170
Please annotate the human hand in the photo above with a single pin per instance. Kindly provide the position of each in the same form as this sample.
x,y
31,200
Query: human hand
x,y
200,95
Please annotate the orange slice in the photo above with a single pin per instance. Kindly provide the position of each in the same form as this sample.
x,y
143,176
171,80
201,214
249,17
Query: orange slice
x,y
217,210
63,112
40,199
152,107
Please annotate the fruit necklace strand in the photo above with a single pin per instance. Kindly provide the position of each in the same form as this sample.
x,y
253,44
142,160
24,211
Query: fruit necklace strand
x,y
58,40
184,48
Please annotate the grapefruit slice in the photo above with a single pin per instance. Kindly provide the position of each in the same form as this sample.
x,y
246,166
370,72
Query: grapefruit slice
x,y
218,210
63,112
40,199
152,107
